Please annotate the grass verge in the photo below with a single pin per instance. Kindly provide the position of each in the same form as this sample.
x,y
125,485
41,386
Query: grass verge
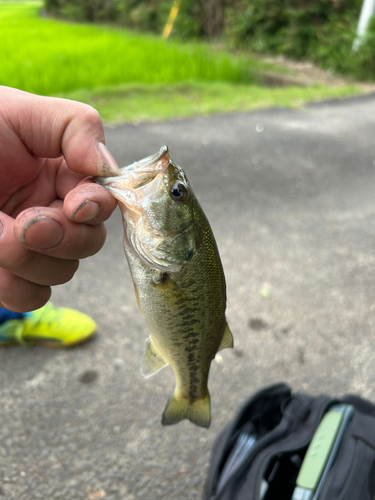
x,y
137,102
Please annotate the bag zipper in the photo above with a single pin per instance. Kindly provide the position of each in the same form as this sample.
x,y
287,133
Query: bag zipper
x,y
265,460
267,439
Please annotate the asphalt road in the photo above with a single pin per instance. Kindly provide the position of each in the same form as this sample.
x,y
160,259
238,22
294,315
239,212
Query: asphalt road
x,y
290,197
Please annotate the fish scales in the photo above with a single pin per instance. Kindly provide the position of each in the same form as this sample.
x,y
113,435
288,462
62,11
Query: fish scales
x,y
181,308
178,279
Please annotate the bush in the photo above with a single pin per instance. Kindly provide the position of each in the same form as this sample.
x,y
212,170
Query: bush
x,y
366,55
322,31
286,26
196,18
134,13
85,10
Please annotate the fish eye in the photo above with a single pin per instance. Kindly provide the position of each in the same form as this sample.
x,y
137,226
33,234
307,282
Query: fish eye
x,y
178,191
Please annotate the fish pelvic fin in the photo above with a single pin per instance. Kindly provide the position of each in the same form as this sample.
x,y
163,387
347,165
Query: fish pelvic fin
x,y
227,340
152,361
179,408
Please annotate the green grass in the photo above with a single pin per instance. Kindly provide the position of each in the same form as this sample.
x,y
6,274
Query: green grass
x,y
46,56
130,77
140,102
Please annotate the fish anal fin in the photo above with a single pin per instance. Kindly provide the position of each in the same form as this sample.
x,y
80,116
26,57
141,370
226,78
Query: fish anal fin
x,y
179,408
152,361
227,340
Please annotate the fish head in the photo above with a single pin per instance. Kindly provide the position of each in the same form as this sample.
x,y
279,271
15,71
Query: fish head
x,y
158,208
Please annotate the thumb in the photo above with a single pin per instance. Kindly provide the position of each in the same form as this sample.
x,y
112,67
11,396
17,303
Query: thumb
x,y
51,127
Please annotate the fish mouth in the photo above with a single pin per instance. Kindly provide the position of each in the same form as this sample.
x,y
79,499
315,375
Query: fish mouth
x,y
140,172
137,181
150,161
133,188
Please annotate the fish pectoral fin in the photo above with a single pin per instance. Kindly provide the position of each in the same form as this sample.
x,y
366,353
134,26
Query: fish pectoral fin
x,y
137,298
179,408
166,286
152,361
227,340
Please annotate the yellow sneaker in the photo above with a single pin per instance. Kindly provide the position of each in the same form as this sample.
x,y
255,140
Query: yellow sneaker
x,y
50,326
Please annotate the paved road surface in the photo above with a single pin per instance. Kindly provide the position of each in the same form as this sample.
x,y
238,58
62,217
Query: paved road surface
x,y
290,196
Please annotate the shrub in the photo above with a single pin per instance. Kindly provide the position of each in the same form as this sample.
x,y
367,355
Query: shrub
x,y
322,31
196,18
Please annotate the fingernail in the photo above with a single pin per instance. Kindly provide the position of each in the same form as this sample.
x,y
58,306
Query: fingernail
x,y
86,211
42,233
2,227
109,167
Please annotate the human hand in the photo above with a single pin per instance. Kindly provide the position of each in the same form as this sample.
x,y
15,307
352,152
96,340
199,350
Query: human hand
x,y
51,212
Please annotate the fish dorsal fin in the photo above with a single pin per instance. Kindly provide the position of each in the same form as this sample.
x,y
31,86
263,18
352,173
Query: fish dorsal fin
x,y
227,340
152,362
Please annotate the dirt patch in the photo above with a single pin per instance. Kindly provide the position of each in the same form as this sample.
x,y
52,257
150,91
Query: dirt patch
x,y
304,73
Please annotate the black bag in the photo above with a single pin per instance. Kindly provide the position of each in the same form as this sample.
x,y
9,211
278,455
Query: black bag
x,y
279,427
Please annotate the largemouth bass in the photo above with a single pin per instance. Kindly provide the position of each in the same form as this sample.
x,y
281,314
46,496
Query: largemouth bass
x,y
178,279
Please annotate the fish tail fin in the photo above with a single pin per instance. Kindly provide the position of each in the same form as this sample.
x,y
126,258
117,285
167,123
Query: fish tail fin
x,y
179,408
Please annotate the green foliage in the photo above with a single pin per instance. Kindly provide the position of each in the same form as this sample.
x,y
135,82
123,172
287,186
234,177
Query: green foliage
x,y
85,10
334,50
362,63
286,26
322,31
145,15
187,24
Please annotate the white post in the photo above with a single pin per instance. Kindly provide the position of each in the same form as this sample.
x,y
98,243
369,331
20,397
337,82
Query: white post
x,y
368,10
